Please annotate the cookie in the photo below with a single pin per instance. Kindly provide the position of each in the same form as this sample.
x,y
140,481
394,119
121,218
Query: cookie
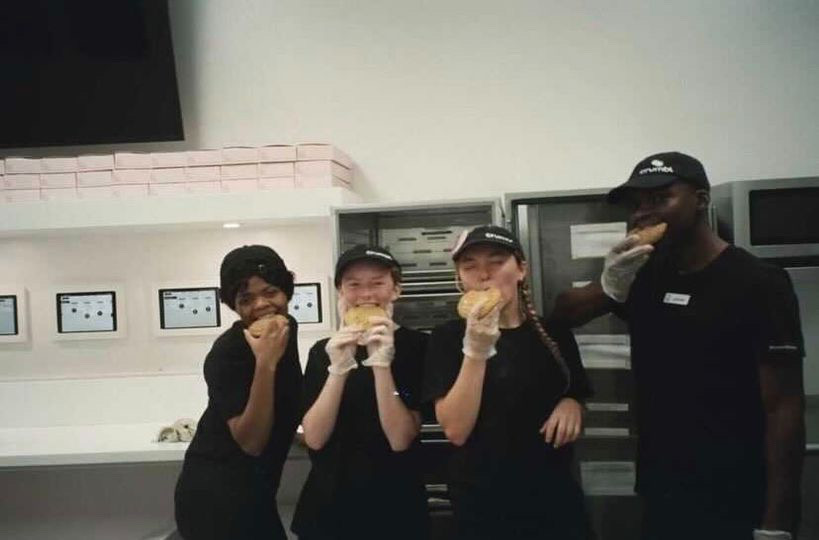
x,y
649,235
259,327
360,315
492,297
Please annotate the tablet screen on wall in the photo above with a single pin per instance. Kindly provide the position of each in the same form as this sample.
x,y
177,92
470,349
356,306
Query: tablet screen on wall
x,y
86,312
189,308
8,315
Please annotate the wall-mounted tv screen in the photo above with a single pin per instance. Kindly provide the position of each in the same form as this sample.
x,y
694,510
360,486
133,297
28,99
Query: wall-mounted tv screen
x,y
88,72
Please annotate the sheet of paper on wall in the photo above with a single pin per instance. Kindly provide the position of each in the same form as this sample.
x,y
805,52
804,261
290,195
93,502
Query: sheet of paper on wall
x,y
591,240
607,477
604,351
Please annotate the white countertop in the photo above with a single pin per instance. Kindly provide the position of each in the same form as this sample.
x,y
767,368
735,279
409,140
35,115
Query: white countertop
x,y
81,445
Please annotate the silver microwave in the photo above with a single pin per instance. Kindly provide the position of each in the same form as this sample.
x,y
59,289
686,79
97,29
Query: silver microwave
x,y
772,218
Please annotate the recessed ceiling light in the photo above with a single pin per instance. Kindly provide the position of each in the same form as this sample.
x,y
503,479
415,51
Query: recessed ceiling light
x,y
231,225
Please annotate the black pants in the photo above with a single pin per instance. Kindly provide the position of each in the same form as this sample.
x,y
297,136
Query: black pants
x,y
683,516
551,509
216,502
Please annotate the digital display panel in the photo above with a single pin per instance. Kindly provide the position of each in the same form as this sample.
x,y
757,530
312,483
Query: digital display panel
x,y
189,308
86,312
8,315
305,305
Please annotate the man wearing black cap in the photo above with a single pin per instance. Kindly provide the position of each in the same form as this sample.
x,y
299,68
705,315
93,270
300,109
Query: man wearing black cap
x,y
228,484
717,351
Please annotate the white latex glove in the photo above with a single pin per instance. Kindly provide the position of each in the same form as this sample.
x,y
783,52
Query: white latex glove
x,y
763,534
341,350
481,334
621,265
380,341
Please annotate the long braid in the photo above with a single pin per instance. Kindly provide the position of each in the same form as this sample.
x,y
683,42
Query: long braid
x,y
530,314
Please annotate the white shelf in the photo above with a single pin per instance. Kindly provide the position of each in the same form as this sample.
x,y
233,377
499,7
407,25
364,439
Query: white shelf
x,y
184,211
84,445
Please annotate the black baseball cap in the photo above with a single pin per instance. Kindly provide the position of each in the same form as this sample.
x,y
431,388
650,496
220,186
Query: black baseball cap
x,y
363,252
244,262
487,234
660,170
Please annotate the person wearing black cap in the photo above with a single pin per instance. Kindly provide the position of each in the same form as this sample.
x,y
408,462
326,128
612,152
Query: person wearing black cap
x,y
361,421
716,351
508,391
228,484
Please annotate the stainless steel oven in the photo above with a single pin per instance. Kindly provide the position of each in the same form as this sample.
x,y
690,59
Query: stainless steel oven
x,y
778,220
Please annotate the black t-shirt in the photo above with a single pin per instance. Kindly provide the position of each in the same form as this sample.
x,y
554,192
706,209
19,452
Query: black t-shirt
x,y
521,387
357,483
696,343
229,370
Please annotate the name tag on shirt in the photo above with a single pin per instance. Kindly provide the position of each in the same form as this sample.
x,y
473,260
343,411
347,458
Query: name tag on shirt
x,y
676,298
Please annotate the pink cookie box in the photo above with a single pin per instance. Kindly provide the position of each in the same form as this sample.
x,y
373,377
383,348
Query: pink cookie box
x,y
59,165
320,182
58,180
95,178
168,176
132,160
132,176
197,158
316,151
203,173
323,168
233,172
20,165
275,170
239,186
240,154
21,181
169,159
277,152
96,162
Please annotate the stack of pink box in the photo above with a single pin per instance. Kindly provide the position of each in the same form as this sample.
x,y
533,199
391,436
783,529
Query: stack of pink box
x,y
131,174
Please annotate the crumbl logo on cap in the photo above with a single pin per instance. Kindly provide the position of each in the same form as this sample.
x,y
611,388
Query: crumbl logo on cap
x,y
379,254
657,166
493,236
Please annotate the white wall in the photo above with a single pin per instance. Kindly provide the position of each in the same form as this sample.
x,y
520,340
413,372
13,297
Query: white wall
x,y
138,261
445,98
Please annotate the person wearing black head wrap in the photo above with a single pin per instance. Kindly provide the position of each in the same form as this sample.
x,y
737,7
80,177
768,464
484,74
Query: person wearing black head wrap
x,y
227,488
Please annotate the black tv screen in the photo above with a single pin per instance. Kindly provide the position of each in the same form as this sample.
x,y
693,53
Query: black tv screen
x,y
87,72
